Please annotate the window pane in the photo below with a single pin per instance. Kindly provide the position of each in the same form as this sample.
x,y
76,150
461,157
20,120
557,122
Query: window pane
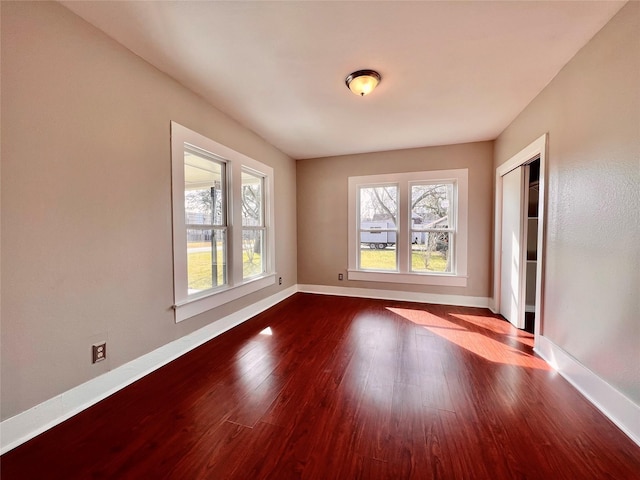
x,y
379,204
378,214
206,269
252,210
203,189
252,248
431,205
430,251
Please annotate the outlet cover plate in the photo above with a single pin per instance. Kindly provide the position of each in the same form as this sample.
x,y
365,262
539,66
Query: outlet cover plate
x,y
98,352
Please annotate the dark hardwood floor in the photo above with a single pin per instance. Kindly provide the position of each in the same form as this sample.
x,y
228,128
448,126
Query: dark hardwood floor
x,y
323,387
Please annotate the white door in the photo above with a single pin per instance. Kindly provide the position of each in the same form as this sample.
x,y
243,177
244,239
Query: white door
x,y
511,267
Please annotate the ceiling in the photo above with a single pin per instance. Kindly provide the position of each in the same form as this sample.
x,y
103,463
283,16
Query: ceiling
x,y
452,72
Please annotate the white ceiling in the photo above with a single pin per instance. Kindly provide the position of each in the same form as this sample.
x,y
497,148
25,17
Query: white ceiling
x,y
452,72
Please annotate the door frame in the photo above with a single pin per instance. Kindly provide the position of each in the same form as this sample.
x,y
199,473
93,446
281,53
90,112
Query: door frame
x,y
536,149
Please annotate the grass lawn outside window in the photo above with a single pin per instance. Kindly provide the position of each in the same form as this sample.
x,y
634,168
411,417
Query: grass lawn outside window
x,y
199,266
374,259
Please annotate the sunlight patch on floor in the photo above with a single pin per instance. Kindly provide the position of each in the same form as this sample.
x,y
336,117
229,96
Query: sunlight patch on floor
x,y
266,331
500,327
474,342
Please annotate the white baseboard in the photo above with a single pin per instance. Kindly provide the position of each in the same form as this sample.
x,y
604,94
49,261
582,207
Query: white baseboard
x,y
493,306
458,300
613,404
26,425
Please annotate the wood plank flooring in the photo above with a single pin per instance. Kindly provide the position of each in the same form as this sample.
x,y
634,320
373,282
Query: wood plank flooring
x,y
323,387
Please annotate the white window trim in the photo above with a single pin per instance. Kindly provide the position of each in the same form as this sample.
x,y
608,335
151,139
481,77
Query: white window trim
x,y
405,180
185,305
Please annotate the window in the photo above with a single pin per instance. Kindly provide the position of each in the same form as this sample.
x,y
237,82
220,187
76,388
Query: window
x,y
432,231
253,228
205,220
409,228
215,188
378,220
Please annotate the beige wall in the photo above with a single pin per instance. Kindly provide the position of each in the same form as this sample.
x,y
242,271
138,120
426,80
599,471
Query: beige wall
x,y
322,212
86,202
592,281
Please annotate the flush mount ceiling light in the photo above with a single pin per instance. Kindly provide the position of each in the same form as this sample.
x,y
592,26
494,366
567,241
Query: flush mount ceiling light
x,y
363,82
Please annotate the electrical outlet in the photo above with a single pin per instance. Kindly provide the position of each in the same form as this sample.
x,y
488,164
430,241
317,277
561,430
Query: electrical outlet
x,y
340,276
279,280
98,352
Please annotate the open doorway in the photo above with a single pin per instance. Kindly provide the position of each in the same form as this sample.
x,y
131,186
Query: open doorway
x,y
519,236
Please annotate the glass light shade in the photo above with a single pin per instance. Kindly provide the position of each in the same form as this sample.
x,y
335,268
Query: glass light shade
x,y
363,82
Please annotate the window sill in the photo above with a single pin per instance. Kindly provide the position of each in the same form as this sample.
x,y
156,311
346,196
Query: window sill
x,y
193,306
409,278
